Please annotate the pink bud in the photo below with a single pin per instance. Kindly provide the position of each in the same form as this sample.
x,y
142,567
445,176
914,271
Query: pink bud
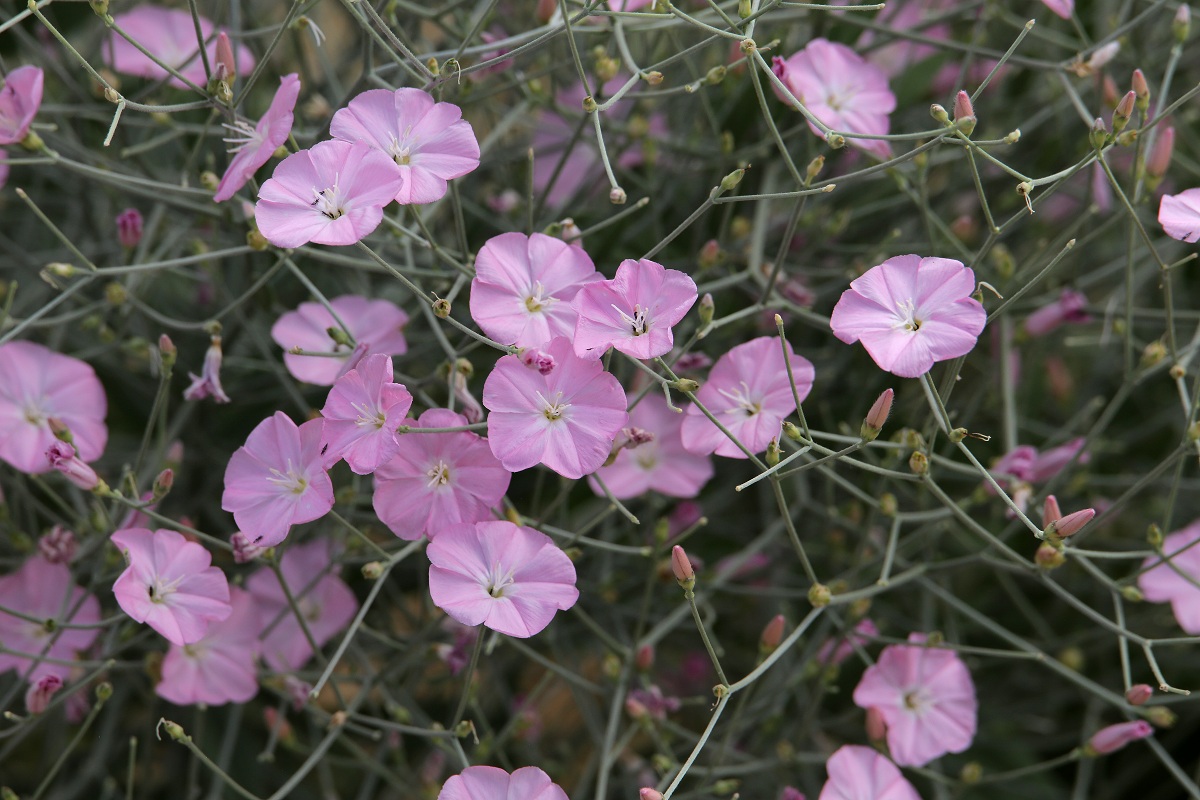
x,y
1140,87
1070,307
636,709
470,406
646,793
772,634
208,382
1160,153
1123,112
877,416
129,227
682,567
1070,524
1050,511
1103,55
709,253
37,698
876,726
62,457
1109,91
58,546
226,64
964,113
1138,694
791,793
645,657
163,484
243,549
546,9
1114,737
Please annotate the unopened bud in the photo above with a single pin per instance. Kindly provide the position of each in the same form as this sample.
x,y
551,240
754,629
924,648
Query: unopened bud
x,y
1138,694
1114,737
209,180
646,793
709,254
256,241
372,570
732,179
129,227
792,432
1141,89
685,385
1123,112
40,692
441,308
1069,525
1132,593
715,75
1153,353
918,462
814,168
1182,23
819,595
772,635
226,64
682,567
617,196
644,658
1050,511
1154,536
1100,58
877,416
771,457
745,8
163,484
835,140
1109,92
167,352
1099,134
972,772
876,725
964,113
653,77
706,308
938,112
1049,557
1161,716
173,729
1160,156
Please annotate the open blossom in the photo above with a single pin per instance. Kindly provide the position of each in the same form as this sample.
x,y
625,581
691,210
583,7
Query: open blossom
x,y
19,102
506,577
44,591
860,773
218,668
1179,214
429,142
925,696
1070,307
37,385
376,324
910,312
253,147
662,464
170,34
523,287
749,392
634,312
1176,582
332,193
322,598
1063,8
566,419
436,480
841,90
493,783
362,413
170,584
277,480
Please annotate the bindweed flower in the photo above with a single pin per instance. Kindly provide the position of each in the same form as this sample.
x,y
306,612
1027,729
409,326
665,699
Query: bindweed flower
x,y
910,312
836,649
437,480
253,147
523,287
40,693
208,382
58,546
1138,694
1071,307
506,577
791,793
634,312
38,385
1114,737
220,667
841,90
493,783
62,458
376,325
170,584
276,479
925,696
566,419
129,227
20,99
429,142
333,193
1063,8
170,35
1176,582
1179,214
361,415
45,591
749,392
860,773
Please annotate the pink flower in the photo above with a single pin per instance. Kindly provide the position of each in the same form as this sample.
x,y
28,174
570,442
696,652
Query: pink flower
x,y
62,457
508,578
910,312
170,34
170,584
129,228
436,480
374,323
219,668
1070,307
19,102
276,479
208,382
493,783
1114,737
837,649
523,286
323,599
662,464
1176,582
859,773
925,696
1053,461
842,90
44,591
362,413
633,312
58,546
1179,214
36,385
566,419
429,141
749,392
1063,8
333,193
253,147
40,693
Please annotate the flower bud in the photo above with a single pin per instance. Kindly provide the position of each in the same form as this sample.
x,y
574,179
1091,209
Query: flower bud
x,y
226,66
1142,90
244,550
876,726
682,567
938,112
918,463
1049,557
1110,93
129,227
39,694
372,570
732,179
62,457
1050,511
745,8
1099,134
964,113
1182,22
644,658
709,254
877,416
1160,157
162,484
706,308
173,729
1069,525
646,793
1114,737
1123,112
58,546
1138,694
1161,716
819,595
772,635
617,196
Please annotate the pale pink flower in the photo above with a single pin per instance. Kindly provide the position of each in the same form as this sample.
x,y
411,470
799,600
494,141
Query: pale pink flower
x,y
170,584
493,783
244,550
1114,737
44,591
1176,582
58,546
362,413
749,392
170,34
860,773
634,312
509,578
208,382
323,599
1048,464
662,464
566,419
837,649
429,142
841,90
218,668
1179,214
1070,307
19,102
40,693
897,54
253,147
925,696
332,193
277,480
377,324
791,793
62,457
523,286
910,312
36,385
1063,8
436,480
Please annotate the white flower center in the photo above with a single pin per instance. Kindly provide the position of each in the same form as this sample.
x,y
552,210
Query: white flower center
x,y
34,414
918,701
401,148
742,404
290,481
906,316
497,580
537,299
329,201
439,475
553,410
368,417
160,590
638,323
244,136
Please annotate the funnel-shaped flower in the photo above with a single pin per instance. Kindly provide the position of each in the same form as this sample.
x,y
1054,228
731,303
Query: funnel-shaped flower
x,y
219,668
1179,214
362,413
860,773
634,312
493,783
170,34
19,102
46,591
662,464
1176,582
253,147
376,324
